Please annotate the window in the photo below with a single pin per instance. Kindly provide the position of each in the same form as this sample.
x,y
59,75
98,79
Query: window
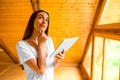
x,y
106,62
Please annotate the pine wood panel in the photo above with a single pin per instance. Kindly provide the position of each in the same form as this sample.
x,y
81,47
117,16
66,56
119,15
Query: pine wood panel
x,y
68,19
69,73
5,58
14,17
14,72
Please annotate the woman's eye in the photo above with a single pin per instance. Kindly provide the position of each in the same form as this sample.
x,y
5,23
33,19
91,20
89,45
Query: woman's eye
x,y
46,20
40,17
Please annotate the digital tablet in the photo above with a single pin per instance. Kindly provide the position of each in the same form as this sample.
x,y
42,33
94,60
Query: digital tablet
x,y
65,44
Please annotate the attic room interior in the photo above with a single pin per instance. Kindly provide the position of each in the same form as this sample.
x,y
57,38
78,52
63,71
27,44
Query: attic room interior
x,y
96,54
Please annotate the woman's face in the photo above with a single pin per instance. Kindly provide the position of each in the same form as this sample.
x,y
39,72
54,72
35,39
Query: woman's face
x,y
41,21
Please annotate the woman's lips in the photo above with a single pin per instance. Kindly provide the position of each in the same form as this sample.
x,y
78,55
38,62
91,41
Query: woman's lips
x,y
42,25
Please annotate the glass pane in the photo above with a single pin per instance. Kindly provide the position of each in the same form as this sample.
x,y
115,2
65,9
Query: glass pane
x,y
112,59
87,62
98,51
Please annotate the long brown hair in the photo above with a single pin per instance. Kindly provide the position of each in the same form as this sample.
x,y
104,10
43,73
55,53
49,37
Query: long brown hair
x,y
30,26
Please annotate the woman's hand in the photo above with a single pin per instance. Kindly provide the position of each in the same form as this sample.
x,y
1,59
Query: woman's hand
x,y
42,46
42,37
60,55
42,50
58,58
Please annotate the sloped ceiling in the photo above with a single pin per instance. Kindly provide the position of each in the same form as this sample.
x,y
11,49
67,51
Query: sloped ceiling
x,y
68,18
14,15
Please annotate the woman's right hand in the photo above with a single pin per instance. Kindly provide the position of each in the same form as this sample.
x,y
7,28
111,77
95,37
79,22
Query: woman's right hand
x,y
42,37
42,50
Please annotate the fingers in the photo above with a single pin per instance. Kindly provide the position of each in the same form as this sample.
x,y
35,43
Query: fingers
x,y
63,51
41,32
42,36
60,56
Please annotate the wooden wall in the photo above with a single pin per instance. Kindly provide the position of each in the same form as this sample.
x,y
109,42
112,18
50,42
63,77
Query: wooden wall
x,y
13,18
70,18
67,19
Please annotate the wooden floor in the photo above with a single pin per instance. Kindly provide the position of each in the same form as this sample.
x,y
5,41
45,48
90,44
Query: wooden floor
x,y
15,72
67,73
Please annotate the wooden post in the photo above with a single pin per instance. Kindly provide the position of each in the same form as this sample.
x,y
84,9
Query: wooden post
x,y
35,4
103,61
119,72
92,58
8,52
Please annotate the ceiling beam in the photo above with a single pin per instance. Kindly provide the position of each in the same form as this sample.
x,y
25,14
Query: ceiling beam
x,y
98,14
7,51
109,26
111,31
108,33
35,4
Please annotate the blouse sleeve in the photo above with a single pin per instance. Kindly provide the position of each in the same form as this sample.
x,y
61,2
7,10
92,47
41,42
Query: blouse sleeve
x,y
24,52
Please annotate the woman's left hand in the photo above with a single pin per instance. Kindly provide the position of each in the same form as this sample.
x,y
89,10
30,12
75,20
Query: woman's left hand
x,y
60,55
58,58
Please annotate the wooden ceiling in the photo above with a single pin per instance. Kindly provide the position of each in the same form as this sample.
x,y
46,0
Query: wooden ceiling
x,y
68,18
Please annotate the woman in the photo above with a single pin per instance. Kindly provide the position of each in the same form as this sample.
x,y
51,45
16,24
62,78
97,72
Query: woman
x,y
35,48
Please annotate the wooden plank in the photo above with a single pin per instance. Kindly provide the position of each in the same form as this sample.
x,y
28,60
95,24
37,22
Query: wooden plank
x,y
13,13
15,72
11,1
4,67
69,73
92,59
108,33
109,26
70,18
98,14
84,72
7,51
4,57
119,72
35,4
103,61
68,1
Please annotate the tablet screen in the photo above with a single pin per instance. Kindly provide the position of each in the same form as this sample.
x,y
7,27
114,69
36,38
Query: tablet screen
x,y
65,44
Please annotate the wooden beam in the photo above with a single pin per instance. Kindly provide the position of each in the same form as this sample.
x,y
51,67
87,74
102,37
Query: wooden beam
x,y
35,4
109,26
111,31
119,71
98,14
103,61
92,59
84,72
7,51
108,33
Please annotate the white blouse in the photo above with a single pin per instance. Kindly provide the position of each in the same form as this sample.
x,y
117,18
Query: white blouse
x,y
26,52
